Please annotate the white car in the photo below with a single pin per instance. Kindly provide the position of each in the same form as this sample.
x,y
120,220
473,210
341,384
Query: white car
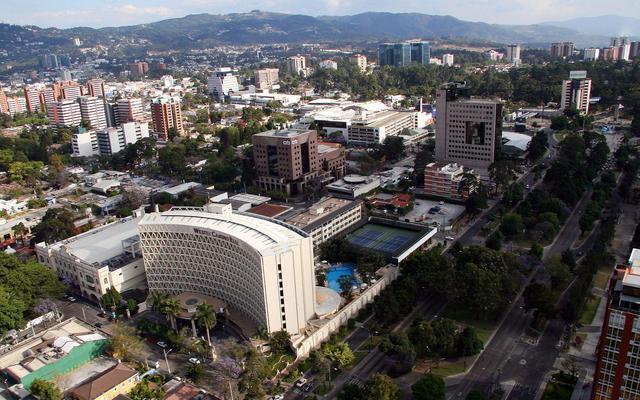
x,y
194,361
300,382
162,345
277,397
72,299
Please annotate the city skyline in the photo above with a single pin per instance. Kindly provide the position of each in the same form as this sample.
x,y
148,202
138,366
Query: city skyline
x,y
96,14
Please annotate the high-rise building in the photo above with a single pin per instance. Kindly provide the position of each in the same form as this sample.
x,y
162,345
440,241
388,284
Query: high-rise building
x,y
493,55
65,74
576,92
4,105
622,45
166,114
64,113
32,96
591,54
95,88
513,54
401,54
328,64
617,373
562,49
468,131
286,160
138,69
266,78
49,97
53,61
634,50
447,60
222,82
71,91
610,53
92,112
296,65
128,110
447,180
360,61
112,140
65,60
16,105
254,268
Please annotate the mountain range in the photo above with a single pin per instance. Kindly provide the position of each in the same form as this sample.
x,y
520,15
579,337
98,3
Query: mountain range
x,y
259,27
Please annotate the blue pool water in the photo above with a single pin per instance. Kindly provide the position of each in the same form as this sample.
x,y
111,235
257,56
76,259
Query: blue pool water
x,y
336,271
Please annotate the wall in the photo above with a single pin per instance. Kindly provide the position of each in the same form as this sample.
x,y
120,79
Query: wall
x,y
313,341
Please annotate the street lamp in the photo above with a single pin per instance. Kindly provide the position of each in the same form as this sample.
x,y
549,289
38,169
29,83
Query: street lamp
x,y
166,360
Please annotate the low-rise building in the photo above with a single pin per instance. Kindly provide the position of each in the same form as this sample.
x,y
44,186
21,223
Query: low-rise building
x,y
327,218
116,381
449,181
109,141
104,257
332,159
368,129
352,186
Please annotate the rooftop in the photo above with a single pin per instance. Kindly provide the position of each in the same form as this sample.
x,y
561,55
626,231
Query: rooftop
x,y
323,210
100,244
269,210
283,133
383,118
103,382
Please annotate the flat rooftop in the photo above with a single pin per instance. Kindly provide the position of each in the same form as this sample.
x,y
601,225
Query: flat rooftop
x,y
382,118
269,210
326,208
283,133
103,243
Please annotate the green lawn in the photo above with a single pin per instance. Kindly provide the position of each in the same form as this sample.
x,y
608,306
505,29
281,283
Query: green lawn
x,y
602,278
557,391
590,309
483,328
448,368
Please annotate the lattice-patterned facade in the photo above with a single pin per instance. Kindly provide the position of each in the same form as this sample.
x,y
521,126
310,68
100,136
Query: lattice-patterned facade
x,y
269,279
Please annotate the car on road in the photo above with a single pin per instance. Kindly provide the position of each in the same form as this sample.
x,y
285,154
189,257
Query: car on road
x,y
277,397
301,382
450,238
98,324
162,344
71,299
308,387
194,361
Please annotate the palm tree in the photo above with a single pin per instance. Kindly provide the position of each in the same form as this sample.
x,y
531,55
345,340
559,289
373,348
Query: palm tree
x,y
20,230
156,299
171,308
206,316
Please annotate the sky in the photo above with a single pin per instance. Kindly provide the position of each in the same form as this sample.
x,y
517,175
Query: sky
x,y
100,13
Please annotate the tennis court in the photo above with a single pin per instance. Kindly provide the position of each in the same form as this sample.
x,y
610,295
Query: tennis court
x,y
384,239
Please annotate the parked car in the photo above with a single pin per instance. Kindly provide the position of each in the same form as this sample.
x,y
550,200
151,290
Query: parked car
x,y
301,382
162,344
98,324
194,361
72,299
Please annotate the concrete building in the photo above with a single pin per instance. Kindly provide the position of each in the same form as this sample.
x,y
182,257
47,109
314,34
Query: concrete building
x,y
16,105
359,60
610,53
622,45
468,131
562,49
166,114
447,60
401,54
297,65
634,50
331,158
32,96
286,160
448,181
92,112
260,268
71,91
128,110
113,140
618,354
65,74
222,82
4,105
138,69
95,88
328,64
513,54
576,92
327,218
373,128
591,54
108,385
493,55
64,113
353,186
85,144
94,261
266,78
262,98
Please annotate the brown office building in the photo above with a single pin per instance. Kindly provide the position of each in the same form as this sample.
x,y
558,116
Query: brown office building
x,y
289,160
469,131
166,114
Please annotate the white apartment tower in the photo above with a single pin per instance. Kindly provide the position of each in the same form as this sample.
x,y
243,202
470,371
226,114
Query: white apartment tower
x,y
64,113
222,82
513,54
447,60
591,54
576,92
360,61
92,112
296,65
266,78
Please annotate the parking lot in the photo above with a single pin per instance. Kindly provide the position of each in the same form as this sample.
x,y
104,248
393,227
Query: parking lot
x,y
445,216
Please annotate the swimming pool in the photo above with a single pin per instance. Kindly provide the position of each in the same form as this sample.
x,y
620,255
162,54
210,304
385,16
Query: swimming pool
x,y
336,271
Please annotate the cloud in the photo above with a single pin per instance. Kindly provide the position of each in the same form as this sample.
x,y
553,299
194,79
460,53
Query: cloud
x,y
130,9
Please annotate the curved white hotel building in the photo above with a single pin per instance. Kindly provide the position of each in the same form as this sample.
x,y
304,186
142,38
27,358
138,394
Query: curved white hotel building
x,y
261,267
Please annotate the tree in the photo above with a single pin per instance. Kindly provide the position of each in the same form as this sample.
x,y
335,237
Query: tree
x,y
56,225
559,273
125,344
280,342
351,391
25,172
476,395
142,391
468,342
45,390
255,372
392,148
511,225
111,298
429,387
494,241
339,353
206,316
195,372
568,258
132,306
539,298
346,286
171,308
156,299
20,231
536,250
502,172
11,311
382,387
